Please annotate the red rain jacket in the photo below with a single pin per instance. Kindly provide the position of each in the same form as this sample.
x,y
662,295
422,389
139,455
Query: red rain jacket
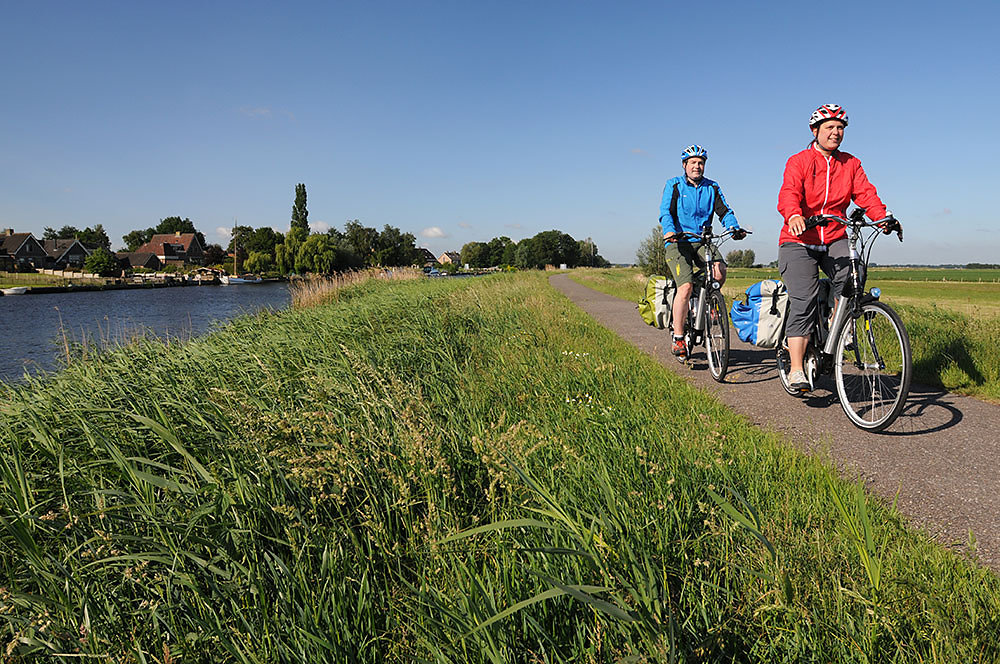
x,y
815,184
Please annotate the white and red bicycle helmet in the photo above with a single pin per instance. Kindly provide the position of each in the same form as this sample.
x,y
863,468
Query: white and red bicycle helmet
x,y
828,112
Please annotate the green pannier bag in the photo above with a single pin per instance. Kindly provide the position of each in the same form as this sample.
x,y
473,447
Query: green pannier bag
x,y
656,305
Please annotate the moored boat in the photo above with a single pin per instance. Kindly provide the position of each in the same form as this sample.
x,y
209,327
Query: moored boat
x,y
14,290
232,280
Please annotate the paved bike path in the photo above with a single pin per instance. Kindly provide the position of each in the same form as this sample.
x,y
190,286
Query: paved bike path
x,y
941,455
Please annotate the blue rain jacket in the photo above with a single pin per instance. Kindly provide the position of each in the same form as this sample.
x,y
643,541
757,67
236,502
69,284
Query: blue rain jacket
x,y
690,208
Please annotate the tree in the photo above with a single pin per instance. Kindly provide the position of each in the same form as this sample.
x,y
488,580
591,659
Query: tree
x,y
394,248
475,254
102,262
554,248
362,240
300,215
135,239
525,255
497,250
64,233
262,239
317,254
95,236
589,255
238,242
214,254
258,262
651,256
284,253
508,254
740,258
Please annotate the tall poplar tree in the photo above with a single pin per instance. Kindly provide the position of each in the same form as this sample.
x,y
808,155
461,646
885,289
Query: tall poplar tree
x,y
300,215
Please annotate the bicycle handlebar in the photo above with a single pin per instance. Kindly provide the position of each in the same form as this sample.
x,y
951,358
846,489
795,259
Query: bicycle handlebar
x,y
887,224
707,235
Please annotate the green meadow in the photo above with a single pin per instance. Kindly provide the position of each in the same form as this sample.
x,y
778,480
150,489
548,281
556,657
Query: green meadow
x,y
449,470
13,279
952,319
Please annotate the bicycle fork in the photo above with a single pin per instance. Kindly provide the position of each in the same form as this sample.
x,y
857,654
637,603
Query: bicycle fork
x,y
845,307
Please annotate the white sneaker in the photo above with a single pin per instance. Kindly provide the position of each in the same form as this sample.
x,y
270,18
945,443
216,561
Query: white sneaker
x,y
797,381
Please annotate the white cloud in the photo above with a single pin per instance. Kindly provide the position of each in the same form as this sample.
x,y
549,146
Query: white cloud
x,y
464,224
258,112
223,232
319,226
433,232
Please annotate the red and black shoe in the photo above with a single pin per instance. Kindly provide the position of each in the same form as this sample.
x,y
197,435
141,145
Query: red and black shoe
x,y
679,349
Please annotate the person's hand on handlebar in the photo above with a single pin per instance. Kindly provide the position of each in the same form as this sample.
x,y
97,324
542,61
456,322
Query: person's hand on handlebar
x,y
796,224
739,234
670,237
892,224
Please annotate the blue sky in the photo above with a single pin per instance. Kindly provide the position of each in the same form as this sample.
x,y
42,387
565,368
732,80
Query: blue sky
x,y
462,121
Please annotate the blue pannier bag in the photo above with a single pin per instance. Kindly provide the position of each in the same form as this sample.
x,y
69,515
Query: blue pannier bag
x,y
760,317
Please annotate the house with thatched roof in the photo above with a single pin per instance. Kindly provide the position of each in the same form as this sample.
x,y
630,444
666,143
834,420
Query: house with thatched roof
x,y
175,248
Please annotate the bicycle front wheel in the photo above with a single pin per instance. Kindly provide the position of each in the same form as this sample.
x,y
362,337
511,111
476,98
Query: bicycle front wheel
x,y
717,335
873,366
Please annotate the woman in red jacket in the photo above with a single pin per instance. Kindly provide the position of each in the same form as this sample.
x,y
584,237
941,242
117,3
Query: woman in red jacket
x,y
819,180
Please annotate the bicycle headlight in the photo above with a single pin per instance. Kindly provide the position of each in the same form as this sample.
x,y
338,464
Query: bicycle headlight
x,y
876,293
716,285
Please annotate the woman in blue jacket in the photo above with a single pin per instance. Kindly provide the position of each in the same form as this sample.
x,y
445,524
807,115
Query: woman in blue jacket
x,y
689,203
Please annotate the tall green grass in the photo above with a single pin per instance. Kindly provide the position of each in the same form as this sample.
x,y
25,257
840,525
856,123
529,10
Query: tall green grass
x,y
467,470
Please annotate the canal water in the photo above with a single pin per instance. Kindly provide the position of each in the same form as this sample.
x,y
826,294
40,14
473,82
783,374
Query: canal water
x,y
32,326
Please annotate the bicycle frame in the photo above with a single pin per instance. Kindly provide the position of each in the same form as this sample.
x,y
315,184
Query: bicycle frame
x,y
849,301
854,287
707,279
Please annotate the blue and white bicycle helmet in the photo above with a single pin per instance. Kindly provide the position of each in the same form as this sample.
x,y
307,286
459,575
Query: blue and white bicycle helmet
x,y
693,151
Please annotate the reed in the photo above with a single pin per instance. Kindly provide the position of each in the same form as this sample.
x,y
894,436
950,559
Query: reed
x,y
436,470
313,291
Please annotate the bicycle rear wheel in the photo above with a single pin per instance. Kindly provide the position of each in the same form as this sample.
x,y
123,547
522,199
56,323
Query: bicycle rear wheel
x,y
717,335
873,366
810,366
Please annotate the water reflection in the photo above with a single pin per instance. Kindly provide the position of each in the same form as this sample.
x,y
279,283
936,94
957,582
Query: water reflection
x,y
32,326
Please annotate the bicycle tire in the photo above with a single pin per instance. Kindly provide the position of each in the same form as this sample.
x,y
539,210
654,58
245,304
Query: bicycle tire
x,y
810,366
783,363
717,335
873,366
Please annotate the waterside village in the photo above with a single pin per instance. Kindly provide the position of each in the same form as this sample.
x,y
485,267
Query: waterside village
x,y
167,259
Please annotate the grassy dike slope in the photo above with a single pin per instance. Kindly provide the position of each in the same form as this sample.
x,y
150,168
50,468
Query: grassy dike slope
x,y
371,479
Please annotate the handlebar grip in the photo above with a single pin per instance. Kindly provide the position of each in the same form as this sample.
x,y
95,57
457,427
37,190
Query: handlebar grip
x,y
893,225
813,222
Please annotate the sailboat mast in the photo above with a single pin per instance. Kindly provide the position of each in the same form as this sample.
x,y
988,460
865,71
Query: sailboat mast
x,y
236,252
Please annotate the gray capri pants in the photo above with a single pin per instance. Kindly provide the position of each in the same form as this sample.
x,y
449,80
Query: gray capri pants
x,y
797,264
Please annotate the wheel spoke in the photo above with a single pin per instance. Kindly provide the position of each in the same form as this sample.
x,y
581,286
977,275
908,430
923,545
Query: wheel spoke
x,y
873,366
717,336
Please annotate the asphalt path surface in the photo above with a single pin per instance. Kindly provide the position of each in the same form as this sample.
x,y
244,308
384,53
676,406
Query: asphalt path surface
x,y
941,455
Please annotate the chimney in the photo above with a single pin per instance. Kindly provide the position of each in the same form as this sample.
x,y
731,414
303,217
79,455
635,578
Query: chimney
x,y
8,231
177,233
